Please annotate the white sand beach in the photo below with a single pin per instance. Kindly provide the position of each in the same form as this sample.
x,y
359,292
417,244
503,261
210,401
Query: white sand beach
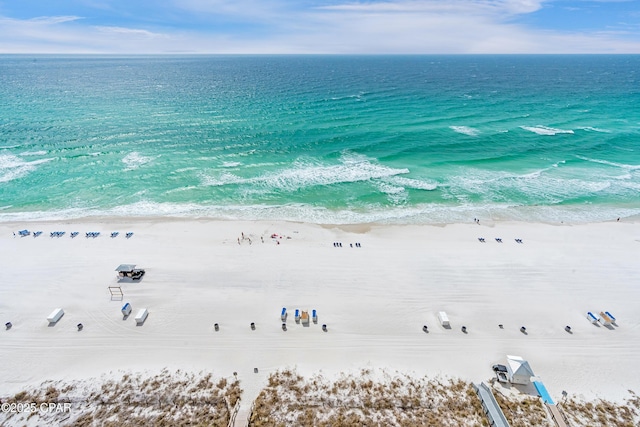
x,y
374,300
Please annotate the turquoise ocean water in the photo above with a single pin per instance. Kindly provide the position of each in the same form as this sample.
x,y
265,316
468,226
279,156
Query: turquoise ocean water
x,y
326,139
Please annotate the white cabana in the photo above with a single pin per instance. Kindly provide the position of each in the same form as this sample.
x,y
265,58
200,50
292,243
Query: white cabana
x,y
519,370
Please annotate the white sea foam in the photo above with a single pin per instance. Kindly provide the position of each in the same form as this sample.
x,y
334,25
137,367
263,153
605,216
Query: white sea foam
x,y
416,184
134,160
608,163
34,153
230,164
309,173
396,195
428,213
592,129
187,169
13,167
181,189
543,186
544,130
465,130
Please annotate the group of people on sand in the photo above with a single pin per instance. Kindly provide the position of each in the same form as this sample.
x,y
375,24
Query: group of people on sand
x,y
244,237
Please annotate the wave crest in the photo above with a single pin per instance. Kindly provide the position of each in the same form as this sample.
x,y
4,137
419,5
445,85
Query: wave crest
x,y
13,167
545,130
465,130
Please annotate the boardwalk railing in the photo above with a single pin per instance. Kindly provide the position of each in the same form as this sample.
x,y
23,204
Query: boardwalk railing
x,y
253,405
490,405
234,413
558,416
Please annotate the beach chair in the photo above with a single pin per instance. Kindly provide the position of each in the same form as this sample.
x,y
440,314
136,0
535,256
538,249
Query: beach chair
x,y
297,316
8,325
115,234
37,233
283,315
129,234
613,319
593,319
314,316
74,234
126,310
80,326
216,327
605,319
499,240
23,233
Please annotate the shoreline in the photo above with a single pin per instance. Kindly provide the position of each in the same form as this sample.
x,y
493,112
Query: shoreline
x,y
437,215
374,299
366,226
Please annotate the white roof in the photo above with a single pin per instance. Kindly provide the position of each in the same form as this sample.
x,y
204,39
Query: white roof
x,y
519,366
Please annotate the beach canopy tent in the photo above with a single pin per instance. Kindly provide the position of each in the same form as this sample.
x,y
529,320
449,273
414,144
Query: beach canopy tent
x,y
125,268
519,370
130,271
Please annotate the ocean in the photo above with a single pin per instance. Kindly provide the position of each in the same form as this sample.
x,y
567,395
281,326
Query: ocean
x,y
322,139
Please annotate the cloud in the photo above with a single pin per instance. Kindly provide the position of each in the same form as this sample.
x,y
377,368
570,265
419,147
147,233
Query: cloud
x,y
310,26
128,31
52,20
474,7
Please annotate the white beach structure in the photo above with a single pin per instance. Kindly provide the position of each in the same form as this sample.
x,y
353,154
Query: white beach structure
x,y
443,319
55,315
141,316
518,370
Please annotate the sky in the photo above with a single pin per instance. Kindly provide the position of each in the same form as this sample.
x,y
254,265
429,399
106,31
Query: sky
x,y
319,26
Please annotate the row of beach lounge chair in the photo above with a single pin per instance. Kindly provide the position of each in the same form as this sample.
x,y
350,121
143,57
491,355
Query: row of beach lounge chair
x,y
73,234
498,239
605,318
